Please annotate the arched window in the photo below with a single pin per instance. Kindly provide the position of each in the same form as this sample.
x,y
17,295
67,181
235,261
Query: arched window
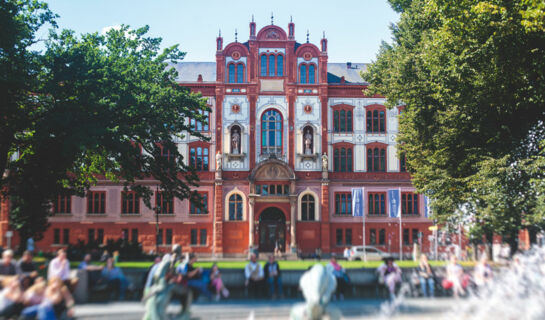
x,y
307,208
235,207
311,74
271,132
308,140
303,73
376,120
280,65
231,73
343,159
263,65
240,73
376,159
271,65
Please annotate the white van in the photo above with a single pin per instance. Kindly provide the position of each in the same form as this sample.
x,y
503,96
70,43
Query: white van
x,y
372,253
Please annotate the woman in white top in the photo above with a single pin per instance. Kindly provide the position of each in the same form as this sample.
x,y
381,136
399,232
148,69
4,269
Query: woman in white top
x,y
455,272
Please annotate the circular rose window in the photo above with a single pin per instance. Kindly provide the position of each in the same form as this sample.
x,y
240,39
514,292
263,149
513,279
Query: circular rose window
x,y
235,55
308,109
235,108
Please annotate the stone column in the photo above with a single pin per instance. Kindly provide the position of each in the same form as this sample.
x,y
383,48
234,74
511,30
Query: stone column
x,y
293,220
251,223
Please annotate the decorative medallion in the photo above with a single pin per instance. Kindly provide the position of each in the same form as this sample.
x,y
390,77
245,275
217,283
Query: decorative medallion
x,y
307,56
235,55
235,108
308,108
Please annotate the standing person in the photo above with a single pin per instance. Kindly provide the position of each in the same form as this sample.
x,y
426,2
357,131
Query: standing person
x,y
253,272
217,283
148,277
425,274
455,274
340,275
273,277
389,275
483,272
115,279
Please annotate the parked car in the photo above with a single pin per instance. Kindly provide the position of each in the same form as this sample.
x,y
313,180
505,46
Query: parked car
x,y
372,253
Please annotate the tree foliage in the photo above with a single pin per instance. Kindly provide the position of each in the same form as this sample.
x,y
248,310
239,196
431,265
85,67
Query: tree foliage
x,y
99,106
471,74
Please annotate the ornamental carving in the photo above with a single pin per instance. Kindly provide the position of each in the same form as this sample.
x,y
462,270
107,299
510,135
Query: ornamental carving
x,y
235,108
307,56
272,35
235,55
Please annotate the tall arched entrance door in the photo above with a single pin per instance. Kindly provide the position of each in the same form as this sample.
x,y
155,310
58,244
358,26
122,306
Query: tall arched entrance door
x,y
272,230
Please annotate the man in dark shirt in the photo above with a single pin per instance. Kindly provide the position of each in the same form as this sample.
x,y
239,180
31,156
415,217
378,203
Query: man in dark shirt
x,y
27,270
273,278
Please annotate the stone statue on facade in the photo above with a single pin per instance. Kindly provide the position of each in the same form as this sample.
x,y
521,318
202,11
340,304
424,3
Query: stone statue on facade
x,y
164,288
218,161
324,162
235,142
317,285
308,142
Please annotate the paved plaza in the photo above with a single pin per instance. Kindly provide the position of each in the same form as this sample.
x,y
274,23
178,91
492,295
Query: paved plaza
x,y
266,309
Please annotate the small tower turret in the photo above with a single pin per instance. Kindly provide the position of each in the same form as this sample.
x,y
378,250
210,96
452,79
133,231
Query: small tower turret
x,y
324,44
219,42
291,30
252,29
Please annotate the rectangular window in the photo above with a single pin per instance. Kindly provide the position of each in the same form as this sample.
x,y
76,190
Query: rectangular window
x,y
343,203
160,237
194,237
409,203
342,120
96,202
66,236
63,204
415,235
204,209
376,205
373,236
168,239
406,240
348,237
130,203
90,235
125,234
339,237
342,159
203,237
134,235
198,158
163,203
382,237
56,236
201,125
100,236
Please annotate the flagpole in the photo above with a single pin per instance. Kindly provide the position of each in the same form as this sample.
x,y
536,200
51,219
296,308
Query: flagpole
x,y
363,223
400,227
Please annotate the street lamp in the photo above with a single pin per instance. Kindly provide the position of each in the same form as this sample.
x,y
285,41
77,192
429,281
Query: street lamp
x,y
157,210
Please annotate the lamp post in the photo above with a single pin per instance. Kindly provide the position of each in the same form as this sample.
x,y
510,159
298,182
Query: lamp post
x,y
157,210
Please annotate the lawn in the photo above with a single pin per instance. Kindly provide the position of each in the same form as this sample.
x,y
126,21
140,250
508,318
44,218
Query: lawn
x,y
287,265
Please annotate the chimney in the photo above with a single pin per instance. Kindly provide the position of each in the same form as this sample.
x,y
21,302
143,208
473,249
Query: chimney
x,y
349,65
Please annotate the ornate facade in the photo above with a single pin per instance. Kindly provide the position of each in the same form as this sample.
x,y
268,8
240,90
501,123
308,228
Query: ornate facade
x,y
291,135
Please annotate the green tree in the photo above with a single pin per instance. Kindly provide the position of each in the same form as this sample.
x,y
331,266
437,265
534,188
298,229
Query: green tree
x,y
471,75
102,106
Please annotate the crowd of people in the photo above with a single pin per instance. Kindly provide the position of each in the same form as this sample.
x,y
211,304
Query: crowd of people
x,y
26,295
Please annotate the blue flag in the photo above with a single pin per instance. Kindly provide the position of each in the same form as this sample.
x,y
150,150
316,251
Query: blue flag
x,y
357,202
394,203
426,207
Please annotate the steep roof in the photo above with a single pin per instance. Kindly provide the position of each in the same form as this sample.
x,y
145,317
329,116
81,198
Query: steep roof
x,y
189,72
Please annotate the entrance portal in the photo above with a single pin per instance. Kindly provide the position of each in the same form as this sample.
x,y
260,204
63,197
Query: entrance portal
x,y
272,230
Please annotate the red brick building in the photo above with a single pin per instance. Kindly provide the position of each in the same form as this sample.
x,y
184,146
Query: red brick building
x,y
291,135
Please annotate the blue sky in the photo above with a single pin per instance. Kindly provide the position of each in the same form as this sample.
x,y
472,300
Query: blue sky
x,y
354,29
